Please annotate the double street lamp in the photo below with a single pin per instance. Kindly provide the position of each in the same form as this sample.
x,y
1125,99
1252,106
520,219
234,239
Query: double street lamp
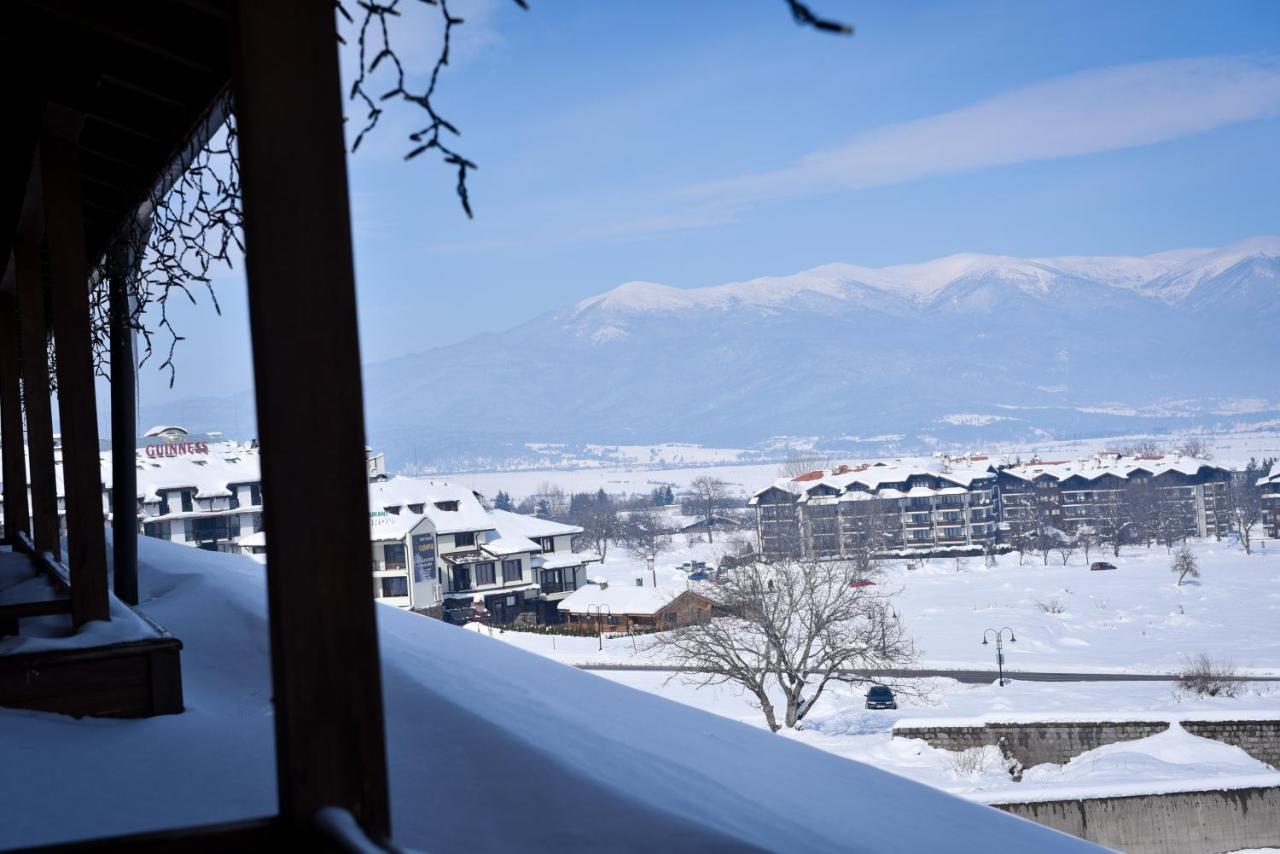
x,y
999,633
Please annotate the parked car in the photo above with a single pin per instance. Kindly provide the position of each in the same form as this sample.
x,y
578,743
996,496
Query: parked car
x,y
1100,565
862,582
880,697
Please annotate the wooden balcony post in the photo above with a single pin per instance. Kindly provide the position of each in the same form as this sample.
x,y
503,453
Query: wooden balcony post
x,y
124,471
16,516
330,747
81,466
36,394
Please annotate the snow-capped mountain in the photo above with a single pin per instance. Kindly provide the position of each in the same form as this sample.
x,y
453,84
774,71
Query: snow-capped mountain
x,y
1022,346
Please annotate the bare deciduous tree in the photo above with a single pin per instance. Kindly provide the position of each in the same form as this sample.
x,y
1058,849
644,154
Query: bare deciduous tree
x,y
790,628
709,494
1184,564
798,464
1114,524
1195,447
645,534
1244,510
1066,548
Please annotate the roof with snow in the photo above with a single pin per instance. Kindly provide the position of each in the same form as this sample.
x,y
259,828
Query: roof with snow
x,y
1092,468
878,478
531,526
677,776
384,526
211,473
435,498
620,599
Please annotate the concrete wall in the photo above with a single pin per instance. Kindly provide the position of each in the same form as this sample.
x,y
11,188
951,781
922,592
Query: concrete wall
x,y
1175,823
1033,744
1057,742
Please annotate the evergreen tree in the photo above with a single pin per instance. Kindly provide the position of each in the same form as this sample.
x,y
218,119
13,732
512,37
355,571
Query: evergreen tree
x,y
502,501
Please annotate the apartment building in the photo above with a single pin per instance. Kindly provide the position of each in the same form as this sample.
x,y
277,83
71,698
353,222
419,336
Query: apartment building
x,y
1106,491
890,507
1269,486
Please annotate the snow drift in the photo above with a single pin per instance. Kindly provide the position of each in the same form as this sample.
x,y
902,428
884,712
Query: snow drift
x,y
489,749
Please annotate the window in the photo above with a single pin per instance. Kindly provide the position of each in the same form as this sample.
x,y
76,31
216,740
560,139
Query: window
x,y
415,508
461,578
615,621
548,544
186,501
159,530
393,555
485,573
164,504
511,571
255,494
396,585
465,538
670,617
447,505
552,581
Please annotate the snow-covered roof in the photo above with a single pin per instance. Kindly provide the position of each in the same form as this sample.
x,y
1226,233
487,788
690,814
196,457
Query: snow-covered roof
x,y
531,526
434,496
210,473
258,539
619,599
1092,468
511,545
561,560
384,526
874,478
675,773
161,429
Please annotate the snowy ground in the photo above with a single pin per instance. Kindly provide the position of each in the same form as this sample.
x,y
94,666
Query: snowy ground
x,y
488,749
1172,760
1135,619
1132,620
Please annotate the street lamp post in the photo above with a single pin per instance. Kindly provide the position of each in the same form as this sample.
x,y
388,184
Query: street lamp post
x,y
999,633
601,611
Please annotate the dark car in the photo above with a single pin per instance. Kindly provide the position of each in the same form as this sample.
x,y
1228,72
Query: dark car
x,y
1101,565
880,697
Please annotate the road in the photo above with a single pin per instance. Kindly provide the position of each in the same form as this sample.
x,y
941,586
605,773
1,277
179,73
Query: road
x,y
974,677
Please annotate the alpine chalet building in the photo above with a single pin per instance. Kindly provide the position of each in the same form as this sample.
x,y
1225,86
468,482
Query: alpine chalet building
x,y
888,508
438,549
1269,487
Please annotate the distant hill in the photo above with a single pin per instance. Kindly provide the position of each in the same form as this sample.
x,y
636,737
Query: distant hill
x,y
954,350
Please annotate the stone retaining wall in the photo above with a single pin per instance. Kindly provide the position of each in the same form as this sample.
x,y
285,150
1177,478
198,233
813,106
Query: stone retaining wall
x,y
1173,823
1059,741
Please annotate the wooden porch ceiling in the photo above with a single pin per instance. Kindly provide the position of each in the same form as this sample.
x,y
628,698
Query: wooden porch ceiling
x,y
143,76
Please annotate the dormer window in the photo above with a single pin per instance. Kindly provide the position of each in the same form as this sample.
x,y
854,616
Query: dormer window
x,y
394,509
451,506
415,508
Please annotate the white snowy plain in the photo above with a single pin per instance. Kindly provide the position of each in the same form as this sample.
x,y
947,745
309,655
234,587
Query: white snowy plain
x,y
489,749
1133,620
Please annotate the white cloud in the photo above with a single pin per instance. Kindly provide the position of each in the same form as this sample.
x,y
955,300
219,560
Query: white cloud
x,y
1092,111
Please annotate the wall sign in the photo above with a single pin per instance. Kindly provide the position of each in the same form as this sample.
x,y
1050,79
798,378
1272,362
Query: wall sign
x,y
176,449
424,557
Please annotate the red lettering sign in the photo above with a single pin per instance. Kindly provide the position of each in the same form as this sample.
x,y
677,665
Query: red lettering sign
x,y
176,449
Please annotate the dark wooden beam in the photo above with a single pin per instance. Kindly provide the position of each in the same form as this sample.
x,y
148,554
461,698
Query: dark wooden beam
x,y
81,467
330,748
16,515
35,386
124,470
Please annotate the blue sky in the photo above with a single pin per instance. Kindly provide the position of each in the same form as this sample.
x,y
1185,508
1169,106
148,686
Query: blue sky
x,y
695,143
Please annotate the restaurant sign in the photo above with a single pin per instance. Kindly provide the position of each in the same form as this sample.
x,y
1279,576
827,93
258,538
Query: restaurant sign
x,y
176,449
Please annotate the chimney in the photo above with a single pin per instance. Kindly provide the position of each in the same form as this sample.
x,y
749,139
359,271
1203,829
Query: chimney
x,y
604,585
639,582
